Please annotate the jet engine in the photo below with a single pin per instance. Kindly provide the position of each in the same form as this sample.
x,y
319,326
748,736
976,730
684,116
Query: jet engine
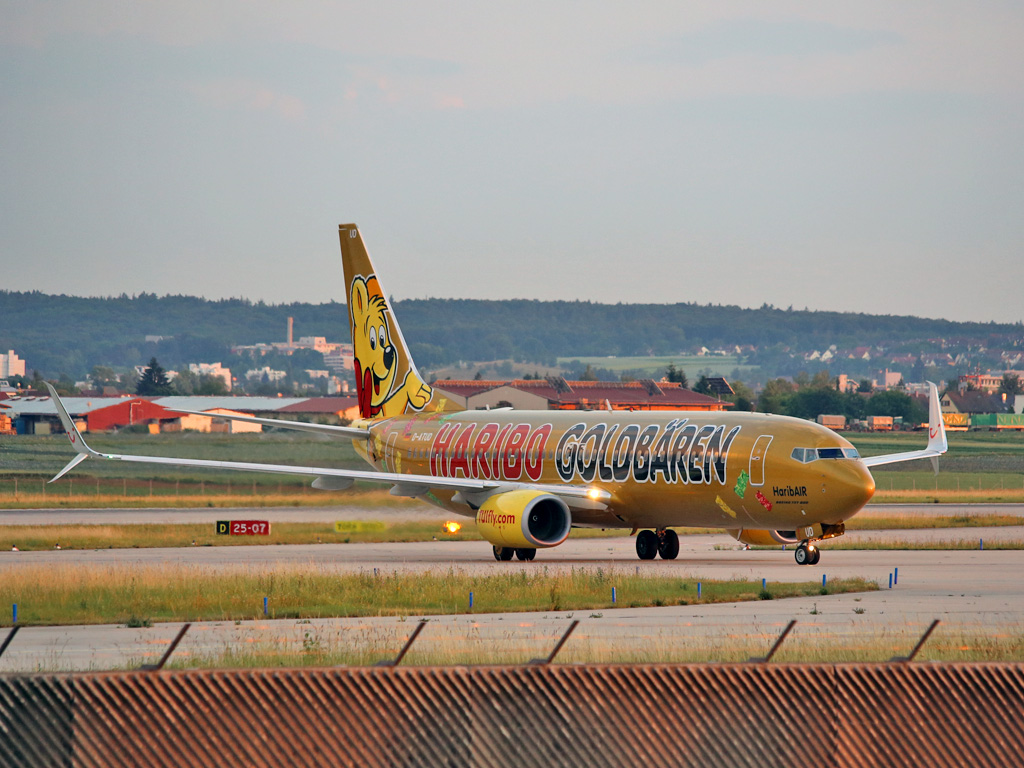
x,y
527,519
767,537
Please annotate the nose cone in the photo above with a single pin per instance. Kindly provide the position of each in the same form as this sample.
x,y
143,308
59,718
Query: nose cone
x,y
849,486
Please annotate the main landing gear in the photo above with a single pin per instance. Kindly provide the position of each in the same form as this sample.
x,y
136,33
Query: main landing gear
x,y
506,553
664,542
807,553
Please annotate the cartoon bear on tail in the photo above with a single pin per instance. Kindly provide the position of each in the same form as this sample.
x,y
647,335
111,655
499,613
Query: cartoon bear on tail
x,y
377,359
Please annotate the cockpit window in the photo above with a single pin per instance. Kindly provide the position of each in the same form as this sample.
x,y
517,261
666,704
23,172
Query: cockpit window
x,y
807,455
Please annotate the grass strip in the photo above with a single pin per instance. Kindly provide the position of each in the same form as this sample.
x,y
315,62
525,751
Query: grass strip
x,y
146,535
75,594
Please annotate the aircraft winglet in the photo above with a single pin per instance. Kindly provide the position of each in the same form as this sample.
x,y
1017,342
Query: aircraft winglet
x,y
937,444
77,441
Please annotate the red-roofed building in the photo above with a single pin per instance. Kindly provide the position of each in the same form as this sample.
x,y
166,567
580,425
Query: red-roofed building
x,y
344,407
558,394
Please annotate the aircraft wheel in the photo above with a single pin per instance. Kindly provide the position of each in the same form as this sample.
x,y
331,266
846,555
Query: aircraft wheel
x,y
815,556
668,545
802,554
647,545
503,553
526,553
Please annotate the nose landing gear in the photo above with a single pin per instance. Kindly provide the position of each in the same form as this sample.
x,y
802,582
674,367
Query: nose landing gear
x,y
807,554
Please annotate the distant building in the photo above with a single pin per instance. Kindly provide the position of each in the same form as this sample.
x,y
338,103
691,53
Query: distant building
x,y
340,360
271,374
37,415
556,393
972,402
986,382
889,379
209,422
336,386
11,365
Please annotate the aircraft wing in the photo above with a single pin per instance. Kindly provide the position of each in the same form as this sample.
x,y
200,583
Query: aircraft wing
x,y
937,444
284,424
329,478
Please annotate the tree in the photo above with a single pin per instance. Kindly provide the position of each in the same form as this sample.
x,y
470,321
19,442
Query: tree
x,y
210,385
185,382
676,375
702,386
893,403
775,397
154,381
811,402
1011,385
103,376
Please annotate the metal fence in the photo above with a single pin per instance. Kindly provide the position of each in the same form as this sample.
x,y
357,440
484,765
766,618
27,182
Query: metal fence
x,y
896,714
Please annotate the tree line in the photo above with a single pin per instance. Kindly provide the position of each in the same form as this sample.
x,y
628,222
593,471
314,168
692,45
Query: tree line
x,y
72,334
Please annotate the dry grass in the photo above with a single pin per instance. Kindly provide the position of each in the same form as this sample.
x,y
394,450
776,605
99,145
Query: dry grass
x,y
868,520
325,645
966,496
76,594
44,537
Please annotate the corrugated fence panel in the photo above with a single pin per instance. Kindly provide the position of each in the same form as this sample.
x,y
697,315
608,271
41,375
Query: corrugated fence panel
x,y
921,714
560,715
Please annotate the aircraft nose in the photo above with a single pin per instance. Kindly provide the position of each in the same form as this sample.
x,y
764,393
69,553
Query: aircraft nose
x,y
849,486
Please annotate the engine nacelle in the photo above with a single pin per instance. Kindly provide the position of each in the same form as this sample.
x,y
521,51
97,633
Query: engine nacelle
x,y
768,538
528,519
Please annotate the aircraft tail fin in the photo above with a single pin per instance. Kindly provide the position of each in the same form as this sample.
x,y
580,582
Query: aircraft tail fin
x,y
387,382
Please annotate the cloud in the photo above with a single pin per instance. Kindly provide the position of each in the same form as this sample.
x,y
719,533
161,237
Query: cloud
x,y
765,38
451,102
245,94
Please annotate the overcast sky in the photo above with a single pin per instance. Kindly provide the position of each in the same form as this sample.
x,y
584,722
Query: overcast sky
x,y
862,156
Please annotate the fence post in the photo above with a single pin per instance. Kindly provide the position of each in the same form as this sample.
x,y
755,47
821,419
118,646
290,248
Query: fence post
x,y
558,645
10,636
920,643
405,648
775,647
167,654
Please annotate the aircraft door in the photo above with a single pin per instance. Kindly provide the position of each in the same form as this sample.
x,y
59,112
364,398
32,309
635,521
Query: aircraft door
x,y
757,456
389,452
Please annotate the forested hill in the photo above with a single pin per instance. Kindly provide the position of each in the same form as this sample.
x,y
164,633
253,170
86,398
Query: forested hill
x,y
68,334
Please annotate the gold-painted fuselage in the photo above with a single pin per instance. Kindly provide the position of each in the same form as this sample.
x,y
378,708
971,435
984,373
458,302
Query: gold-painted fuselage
x,y
662,469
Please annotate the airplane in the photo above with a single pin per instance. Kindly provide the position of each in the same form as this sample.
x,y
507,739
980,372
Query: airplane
x,y
528,477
